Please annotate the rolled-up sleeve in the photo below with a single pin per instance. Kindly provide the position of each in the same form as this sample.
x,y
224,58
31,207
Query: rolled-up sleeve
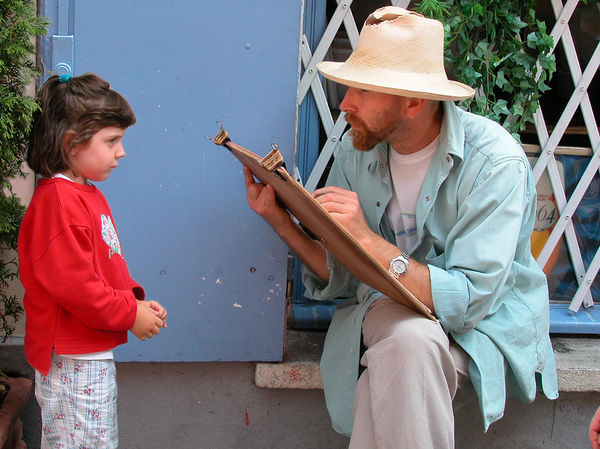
x,y
480,249
341,283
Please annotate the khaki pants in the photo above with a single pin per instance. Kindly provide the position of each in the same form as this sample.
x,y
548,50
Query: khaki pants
x,y
413,372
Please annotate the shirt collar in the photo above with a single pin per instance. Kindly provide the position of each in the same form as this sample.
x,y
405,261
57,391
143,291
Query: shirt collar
x,y
452,135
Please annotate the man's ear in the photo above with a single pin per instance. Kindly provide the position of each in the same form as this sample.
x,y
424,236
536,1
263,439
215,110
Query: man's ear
x,y
67,142
414,106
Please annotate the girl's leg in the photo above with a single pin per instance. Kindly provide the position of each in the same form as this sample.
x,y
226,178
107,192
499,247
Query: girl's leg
x,y
79,404
57,421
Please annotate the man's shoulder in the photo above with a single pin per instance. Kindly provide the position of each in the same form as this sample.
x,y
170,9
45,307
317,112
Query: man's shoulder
x,y
489,138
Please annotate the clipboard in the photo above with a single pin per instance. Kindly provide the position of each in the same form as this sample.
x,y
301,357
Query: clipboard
x,y
333,236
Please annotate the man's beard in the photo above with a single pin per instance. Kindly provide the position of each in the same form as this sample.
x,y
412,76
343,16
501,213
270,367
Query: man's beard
x,y
365,139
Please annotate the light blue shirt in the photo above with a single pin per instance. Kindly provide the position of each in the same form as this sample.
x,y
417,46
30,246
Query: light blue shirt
x,y
475,215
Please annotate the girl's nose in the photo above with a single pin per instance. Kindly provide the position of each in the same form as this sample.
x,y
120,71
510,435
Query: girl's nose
x,y
120,152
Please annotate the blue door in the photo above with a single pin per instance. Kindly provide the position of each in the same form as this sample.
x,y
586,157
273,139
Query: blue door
x,y
178,199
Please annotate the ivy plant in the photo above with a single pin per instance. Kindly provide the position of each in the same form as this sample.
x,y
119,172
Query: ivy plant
x,y
500,49
19,26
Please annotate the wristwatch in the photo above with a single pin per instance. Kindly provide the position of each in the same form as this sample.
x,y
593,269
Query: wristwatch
x,y
399,265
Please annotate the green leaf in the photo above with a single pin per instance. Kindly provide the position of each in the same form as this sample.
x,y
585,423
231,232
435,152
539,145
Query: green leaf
x,y
501,107
501,80
19,27
503,51
481,49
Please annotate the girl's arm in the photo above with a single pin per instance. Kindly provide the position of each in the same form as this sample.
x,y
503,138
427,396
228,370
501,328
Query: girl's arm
x,y
595,430
65,271
147,324
159,311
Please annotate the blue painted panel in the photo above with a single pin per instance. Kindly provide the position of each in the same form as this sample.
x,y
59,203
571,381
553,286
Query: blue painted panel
x,y
179,200
563,321
306,313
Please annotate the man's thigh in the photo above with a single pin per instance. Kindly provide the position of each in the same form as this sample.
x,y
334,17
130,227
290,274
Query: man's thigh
x,y
386,318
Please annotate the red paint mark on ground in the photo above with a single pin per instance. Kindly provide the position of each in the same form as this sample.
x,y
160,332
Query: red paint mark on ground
x,y
246,417
294,374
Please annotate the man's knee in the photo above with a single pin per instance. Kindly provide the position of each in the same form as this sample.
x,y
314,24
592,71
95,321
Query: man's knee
x,y
422,339
403,328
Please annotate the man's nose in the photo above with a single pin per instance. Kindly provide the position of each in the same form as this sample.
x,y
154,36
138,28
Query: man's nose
x,y
348,104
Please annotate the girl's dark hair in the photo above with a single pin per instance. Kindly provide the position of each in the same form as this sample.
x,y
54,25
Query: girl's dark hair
x,y
83,104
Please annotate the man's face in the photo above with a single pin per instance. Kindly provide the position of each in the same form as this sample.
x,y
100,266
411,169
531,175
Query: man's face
x,y
374,116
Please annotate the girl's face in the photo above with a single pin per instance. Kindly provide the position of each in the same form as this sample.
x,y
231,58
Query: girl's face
x,y
96,159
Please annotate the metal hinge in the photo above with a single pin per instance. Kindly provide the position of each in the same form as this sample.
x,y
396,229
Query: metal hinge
x,y
62,54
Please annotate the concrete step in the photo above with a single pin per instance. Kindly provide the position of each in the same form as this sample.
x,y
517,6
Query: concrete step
x,y
577,363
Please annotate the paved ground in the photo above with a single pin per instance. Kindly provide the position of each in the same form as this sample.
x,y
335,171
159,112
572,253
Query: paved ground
x,y
219,406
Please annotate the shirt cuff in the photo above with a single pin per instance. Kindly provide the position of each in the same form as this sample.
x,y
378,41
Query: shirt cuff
x,y
450,298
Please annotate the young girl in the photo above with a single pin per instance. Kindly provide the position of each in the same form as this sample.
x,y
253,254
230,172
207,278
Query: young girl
x,y
79,297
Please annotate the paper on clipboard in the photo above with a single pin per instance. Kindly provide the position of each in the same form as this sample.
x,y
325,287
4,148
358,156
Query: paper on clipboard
x,y
333,236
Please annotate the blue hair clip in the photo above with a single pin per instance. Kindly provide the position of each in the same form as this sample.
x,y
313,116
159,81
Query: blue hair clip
x,y
64,78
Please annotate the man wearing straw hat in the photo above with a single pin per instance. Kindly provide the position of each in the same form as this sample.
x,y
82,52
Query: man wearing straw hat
x,y
445,200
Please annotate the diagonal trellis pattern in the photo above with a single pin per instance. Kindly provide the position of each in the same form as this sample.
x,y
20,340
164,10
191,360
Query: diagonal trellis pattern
x,y
310,82
547,162
549,143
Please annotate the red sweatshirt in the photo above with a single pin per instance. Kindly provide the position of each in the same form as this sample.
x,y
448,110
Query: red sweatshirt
x,y
79,296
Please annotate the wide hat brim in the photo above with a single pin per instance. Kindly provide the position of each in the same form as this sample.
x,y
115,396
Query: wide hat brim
x,y
427,86
399,52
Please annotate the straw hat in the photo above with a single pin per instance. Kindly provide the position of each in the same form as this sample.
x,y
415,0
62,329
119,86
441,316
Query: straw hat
x,y
399,52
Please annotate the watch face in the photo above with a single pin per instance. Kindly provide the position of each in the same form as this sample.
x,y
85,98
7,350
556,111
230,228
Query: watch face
x,y
399,266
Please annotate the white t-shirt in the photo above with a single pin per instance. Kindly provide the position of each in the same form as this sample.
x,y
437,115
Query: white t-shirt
x,y
408,173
